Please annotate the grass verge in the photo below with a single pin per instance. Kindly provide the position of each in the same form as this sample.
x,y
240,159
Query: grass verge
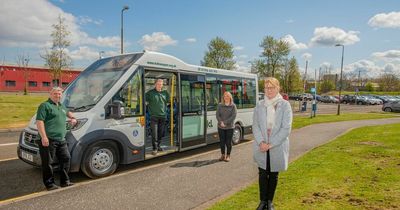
x,y
359,170
17,110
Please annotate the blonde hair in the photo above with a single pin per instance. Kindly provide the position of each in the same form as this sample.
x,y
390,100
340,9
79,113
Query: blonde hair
x,y
229,95
273,81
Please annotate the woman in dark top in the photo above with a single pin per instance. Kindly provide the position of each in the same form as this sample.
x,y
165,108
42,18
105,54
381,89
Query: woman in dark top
x,y
226,114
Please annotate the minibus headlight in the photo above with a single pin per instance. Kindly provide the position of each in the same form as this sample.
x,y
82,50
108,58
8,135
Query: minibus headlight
x,y
79,124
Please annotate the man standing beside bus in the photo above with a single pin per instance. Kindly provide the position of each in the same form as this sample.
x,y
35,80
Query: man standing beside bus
x,y
50,120
157,100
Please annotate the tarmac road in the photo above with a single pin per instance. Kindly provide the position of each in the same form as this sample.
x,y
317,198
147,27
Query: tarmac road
x,y
183,183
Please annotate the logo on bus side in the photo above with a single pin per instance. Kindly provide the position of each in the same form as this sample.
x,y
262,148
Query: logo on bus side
x,y
210,123
135,133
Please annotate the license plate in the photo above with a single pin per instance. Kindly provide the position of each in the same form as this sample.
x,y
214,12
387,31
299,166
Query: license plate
x,y
27,156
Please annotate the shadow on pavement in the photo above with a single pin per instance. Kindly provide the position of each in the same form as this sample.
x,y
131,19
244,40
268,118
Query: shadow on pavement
x,y
197,164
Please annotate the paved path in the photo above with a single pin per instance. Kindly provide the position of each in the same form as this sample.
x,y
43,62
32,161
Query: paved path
x,y
189,183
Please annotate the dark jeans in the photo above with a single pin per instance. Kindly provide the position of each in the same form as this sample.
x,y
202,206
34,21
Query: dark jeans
x,y
157,125
267,182
225,139
47,154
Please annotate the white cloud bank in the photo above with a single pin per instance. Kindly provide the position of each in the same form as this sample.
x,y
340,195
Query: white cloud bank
x,y
385,20
156,41
329,36
293,44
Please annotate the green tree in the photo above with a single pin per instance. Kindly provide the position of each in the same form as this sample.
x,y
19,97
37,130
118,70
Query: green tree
x,y
57,58
294,83
274,53
219,55
326,86
369,87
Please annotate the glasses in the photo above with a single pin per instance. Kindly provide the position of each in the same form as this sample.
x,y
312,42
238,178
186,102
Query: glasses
x,y
269,88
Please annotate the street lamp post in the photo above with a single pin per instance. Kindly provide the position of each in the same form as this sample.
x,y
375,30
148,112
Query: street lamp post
x,y
122,28
341,75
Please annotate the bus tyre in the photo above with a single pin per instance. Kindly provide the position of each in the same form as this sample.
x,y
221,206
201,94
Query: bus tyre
x,y
237,134
101,159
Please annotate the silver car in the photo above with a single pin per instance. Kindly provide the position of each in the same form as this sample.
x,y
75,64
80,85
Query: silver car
x,y
393,106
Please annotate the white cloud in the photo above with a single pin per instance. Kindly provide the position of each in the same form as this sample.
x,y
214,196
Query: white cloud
x,y
83,20
243,56
237,48
370,69
191,40
385,20
293,44
306,56
329,36
87,53
390,55
289,21
29,24
156,41
242,66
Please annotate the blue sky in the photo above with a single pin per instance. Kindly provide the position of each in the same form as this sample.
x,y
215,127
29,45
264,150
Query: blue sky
x,y
369,29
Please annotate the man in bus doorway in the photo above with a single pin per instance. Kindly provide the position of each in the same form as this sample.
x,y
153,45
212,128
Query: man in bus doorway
x,y
157,100
50,120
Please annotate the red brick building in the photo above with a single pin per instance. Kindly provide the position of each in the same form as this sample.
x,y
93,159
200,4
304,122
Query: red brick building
x,y
37,79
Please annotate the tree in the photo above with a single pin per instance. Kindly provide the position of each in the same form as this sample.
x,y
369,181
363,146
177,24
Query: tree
x,y
275,52
326,86
22,61
259,67
294,83
56,58
369,87
388,82
219,55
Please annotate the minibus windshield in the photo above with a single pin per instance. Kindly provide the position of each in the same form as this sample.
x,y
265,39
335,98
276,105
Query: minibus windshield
x,y
95,81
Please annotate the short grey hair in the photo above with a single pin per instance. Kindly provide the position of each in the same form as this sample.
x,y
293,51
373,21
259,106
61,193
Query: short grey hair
x,y
56,89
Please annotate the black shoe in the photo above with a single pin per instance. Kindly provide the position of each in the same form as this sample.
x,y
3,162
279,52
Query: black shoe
x,y
262,205
270,205
52,187
160,149
67,184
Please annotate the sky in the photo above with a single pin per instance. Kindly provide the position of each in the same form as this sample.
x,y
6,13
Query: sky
x,y
368,29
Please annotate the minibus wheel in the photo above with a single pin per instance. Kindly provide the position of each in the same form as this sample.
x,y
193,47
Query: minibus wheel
x,y
237,134
101,159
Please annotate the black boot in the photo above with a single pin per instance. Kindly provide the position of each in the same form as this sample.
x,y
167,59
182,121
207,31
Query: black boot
x,y
262,205
270,205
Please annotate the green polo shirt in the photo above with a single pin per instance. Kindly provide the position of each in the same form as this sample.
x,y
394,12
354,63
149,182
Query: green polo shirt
x,y
157,102
54,117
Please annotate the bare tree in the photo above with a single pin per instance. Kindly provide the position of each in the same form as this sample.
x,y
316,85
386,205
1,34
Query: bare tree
x,y
56,58
22,61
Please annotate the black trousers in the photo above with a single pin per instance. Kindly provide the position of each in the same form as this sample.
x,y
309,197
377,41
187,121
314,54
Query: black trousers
x,y
157,125
47,154
225,140
267,182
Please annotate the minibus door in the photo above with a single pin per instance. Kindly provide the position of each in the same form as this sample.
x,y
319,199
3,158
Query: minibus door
x,y
193,113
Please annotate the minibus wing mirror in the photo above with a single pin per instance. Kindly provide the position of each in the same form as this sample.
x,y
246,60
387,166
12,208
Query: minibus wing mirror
x,y
117,110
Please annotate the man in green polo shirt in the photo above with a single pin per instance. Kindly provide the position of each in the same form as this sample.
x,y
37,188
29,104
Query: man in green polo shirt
x,y
50,120
157,100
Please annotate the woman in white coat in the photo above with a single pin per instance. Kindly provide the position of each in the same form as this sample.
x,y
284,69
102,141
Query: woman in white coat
x,y
272,123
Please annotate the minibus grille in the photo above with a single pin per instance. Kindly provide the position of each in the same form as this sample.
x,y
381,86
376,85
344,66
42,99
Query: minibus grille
x,y
30,139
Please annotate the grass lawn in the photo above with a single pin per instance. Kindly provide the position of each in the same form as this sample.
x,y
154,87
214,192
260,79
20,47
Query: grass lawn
x,y
359,170
17,110
302,121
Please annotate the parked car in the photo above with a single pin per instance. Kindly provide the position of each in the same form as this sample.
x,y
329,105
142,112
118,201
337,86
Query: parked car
x,y
329,99
349,99
392,106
